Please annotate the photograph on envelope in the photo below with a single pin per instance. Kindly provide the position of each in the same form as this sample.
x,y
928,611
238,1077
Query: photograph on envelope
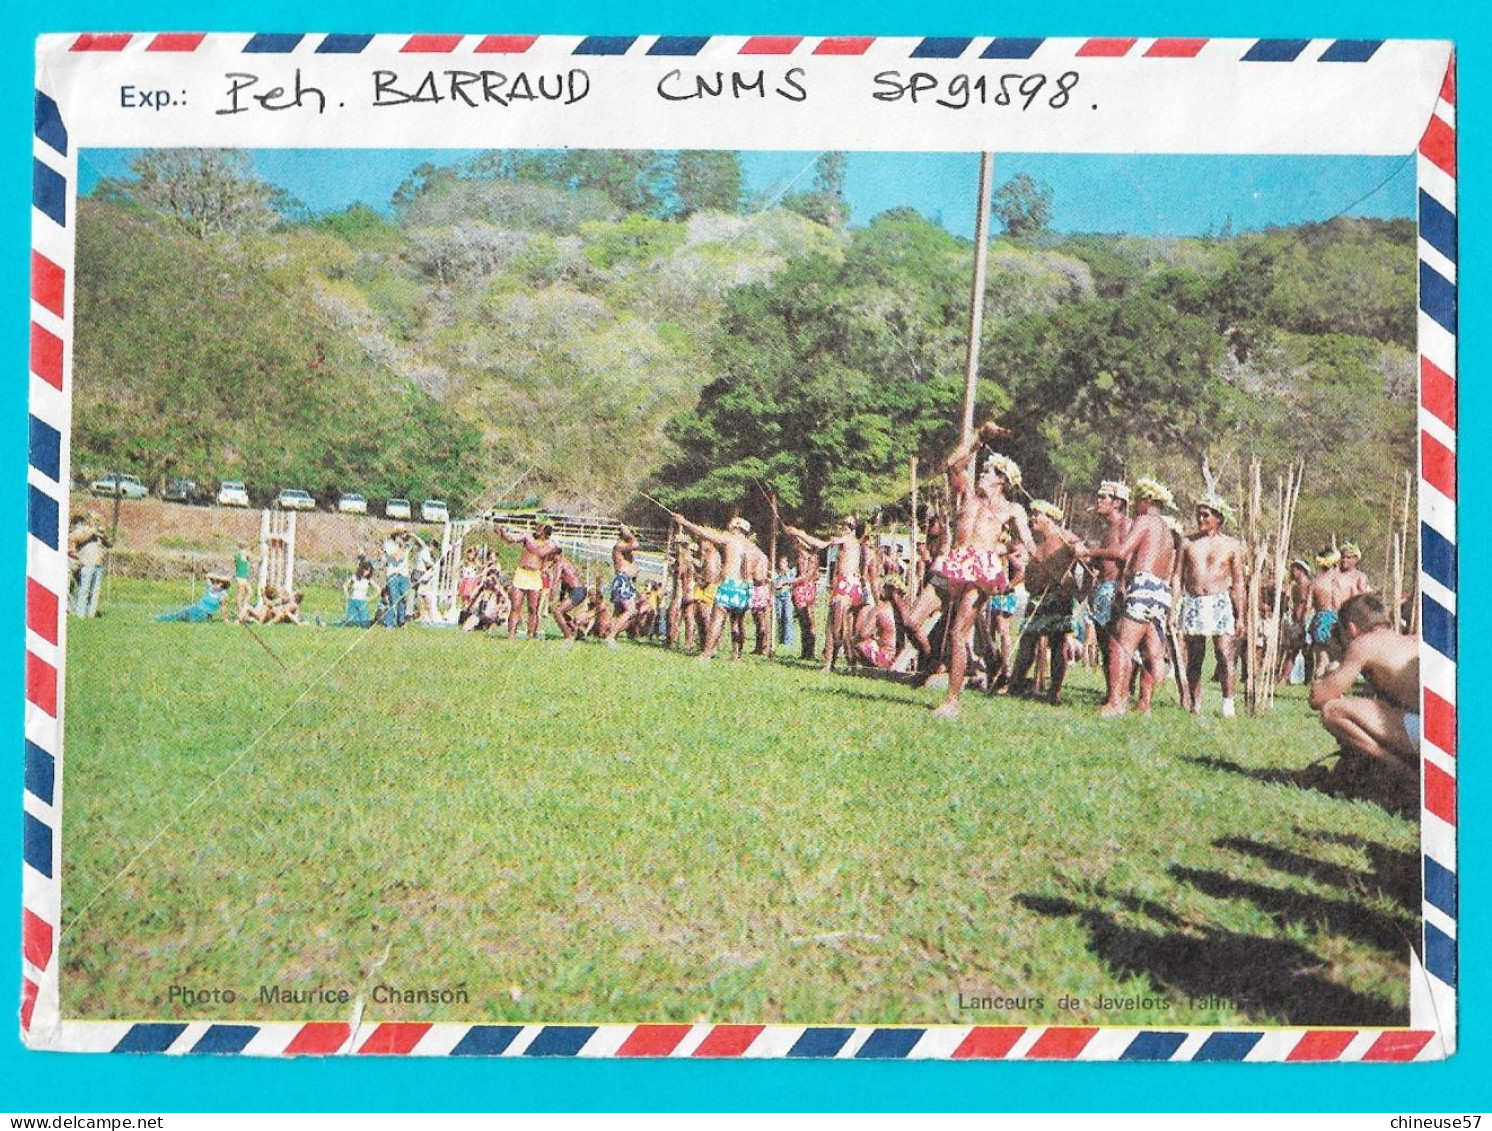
x,y
863,548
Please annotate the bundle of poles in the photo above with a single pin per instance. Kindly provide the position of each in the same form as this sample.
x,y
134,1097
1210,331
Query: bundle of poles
x,y
1268,554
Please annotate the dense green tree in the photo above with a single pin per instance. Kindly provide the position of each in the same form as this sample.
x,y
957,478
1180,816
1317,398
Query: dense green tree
x,y
205,191
835,373
1097,384
1023,205
707,180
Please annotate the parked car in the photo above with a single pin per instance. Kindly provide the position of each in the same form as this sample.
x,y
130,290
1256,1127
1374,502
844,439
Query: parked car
x,y
352,504
187,491
119,486
397,508
294,499
434,510
233,493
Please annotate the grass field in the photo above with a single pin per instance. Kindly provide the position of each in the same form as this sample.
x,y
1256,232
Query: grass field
x,y
582,834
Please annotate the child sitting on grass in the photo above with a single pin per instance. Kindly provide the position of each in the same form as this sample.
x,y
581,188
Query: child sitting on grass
x,y
208,608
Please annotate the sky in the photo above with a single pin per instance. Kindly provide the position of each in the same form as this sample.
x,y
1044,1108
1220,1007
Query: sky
x,y
1136,194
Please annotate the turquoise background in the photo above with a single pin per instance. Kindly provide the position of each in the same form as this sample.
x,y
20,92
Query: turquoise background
x,y
52,1083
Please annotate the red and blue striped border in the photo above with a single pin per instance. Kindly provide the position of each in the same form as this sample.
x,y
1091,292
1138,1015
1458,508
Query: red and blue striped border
x,y
46,559
954,1042
51,337
1438,557
937,47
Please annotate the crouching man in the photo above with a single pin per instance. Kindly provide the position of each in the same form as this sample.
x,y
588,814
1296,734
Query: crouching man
x,y
1386,726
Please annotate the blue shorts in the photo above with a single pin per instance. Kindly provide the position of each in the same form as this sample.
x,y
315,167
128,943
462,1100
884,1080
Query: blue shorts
x,y
1005,602
1319,627
733,595
1103,602
623,590
1147,599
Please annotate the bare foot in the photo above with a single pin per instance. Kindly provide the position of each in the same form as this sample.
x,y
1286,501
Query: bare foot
x,y
1112,710
948,709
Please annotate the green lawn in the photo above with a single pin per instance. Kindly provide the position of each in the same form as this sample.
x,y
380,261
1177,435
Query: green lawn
x,y
582,834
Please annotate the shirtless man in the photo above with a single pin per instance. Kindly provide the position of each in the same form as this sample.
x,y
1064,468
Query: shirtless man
x,y
623,583
568,593
1212,600
1355,580
528,578
999,625
1148,553
759,573
1293,634
1386,727
706,583
847,587
876,642
1049,576
975,566
681,603
1329,588
805,593
733,591
870,582
1111,504
933,595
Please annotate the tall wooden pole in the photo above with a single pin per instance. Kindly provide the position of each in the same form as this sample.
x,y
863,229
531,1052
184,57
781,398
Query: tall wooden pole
x,y
914,572
772,574
976,304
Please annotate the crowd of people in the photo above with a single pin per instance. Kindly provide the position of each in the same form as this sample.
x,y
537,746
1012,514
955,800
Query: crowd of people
x,y
1000,593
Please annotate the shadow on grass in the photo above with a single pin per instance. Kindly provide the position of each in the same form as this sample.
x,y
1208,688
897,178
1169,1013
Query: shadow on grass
x,y
1394,874
1269,979
1317,777
1289,908
846,692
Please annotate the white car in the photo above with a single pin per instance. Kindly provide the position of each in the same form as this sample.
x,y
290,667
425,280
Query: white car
x,y
434,510
352,504
294,499
397,508
118,486
233,493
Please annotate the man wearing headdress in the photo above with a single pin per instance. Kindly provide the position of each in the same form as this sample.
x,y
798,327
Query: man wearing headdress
x,y
1293,636
975,566
846,585
1148,554
1111,504
1212,600
1355,580
1329,588
1049,577
733,592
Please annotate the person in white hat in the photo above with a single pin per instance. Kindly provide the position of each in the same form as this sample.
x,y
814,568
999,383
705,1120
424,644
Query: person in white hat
x,y
1111,504
1148,554
733,593
1212,600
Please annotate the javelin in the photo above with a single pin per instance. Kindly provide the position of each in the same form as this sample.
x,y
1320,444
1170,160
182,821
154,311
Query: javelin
x,y
262,644
656,503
